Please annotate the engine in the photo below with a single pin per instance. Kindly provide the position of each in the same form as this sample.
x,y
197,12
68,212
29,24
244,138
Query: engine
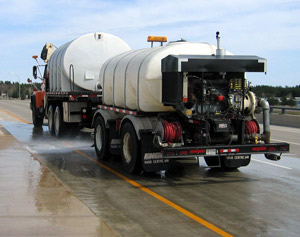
x,y
212,94
211,111
213,100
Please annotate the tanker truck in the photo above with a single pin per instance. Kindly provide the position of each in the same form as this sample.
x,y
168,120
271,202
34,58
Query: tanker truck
x,y
179,101
70,82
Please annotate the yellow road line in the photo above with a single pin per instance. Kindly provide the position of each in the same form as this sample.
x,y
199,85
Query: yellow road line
x,y
151,193
160,198
14,116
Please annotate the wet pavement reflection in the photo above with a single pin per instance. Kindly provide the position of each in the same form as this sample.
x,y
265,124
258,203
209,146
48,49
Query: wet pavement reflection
x,y
34,202
258,200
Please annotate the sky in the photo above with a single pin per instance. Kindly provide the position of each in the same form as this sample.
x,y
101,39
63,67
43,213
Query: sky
x,y
266,28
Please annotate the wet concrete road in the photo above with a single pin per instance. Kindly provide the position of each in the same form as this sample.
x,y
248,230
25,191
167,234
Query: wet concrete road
x,y
259,200
34,203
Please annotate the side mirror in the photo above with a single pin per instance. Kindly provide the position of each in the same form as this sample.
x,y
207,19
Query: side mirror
x,y
34,72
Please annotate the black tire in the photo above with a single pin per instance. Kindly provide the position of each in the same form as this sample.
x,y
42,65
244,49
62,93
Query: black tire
x,y
37,118
101,139
50,119
58,122
130,149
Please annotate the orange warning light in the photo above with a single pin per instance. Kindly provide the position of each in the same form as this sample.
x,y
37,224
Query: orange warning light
x,y
157,39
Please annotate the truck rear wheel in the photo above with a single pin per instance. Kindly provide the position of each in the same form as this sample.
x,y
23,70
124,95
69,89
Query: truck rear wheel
x,y
130,149
50,119
58,122
37,119
101,139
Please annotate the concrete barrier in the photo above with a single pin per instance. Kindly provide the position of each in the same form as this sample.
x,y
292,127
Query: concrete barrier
x,y
282,120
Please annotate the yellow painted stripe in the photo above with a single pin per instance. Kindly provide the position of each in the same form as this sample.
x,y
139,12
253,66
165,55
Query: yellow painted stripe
x,y
148,191
160,198
14,116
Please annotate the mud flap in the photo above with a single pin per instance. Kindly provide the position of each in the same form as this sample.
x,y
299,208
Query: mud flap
x,y
234,161
152,158
114,139
39,99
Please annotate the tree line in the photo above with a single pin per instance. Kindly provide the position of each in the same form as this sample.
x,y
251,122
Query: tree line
x,y
11,89
278,95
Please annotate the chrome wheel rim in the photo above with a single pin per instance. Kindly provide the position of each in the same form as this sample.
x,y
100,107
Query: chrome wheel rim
x,y
99,141
50,122
127,148
56,124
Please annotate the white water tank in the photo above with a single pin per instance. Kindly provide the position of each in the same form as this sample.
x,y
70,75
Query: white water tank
x,y
133,79
86,54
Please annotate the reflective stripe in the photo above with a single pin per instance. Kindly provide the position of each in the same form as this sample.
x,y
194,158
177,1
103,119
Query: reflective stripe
x,y
124,111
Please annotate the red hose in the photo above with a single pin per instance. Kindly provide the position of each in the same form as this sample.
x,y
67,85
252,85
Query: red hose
x,y
251,127
178,132
172,131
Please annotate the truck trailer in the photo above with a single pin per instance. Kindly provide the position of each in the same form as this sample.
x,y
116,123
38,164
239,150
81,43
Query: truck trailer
x,y
177,101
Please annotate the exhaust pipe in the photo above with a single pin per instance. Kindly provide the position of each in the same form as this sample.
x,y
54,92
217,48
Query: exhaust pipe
x,y
219,52
266,119
271,156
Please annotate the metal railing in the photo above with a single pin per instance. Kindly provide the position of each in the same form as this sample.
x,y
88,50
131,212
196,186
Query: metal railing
x,y
283,109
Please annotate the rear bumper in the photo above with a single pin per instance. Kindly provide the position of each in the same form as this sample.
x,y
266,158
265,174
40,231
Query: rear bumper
x,y
194,151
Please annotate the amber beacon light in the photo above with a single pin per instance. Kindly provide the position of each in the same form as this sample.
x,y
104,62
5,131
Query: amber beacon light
x,y
160,39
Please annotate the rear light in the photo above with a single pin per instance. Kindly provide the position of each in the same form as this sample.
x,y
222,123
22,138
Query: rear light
x,y
230,150
197,151
262,148
84,116
183,152
284,148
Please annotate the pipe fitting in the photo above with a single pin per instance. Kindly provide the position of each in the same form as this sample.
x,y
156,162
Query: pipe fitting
x,y
266,119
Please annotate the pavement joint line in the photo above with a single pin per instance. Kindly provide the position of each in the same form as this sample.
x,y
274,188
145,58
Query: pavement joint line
x,y
146,190
268,163
13,116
